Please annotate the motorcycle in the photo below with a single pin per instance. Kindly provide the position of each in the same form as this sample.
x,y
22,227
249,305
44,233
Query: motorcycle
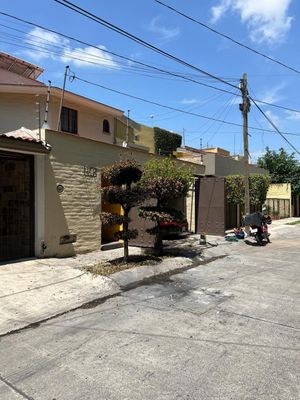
x,y
258,223
261,232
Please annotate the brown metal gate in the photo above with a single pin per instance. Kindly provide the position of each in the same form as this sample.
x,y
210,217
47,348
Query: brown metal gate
x,y
210,205
16,206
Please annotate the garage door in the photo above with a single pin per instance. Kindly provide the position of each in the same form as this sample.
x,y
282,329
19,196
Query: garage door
x,y
16,206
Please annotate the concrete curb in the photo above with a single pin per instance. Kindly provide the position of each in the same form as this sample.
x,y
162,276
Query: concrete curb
x,y
100,289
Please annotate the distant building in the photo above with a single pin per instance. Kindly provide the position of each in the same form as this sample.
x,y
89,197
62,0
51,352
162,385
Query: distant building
x,y
211,212
217,161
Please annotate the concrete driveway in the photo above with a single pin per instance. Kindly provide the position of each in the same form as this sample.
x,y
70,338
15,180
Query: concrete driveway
x,y
229,329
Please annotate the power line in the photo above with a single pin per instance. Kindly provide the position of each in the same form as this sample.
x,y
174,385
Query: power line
x,y
226,111
136,39
148,45
149,66
169,107
274,126
154,103
227,37
178,75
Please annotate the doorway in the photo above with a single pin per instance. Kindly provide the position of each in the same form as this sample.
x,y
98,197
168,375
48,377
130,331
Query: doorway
x,y
16,206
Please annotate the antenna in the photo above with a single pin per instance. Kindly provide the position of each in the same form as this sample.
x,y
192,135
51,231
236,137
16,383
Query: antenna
x,y
38,110
45,124
62,98
125,143
152,119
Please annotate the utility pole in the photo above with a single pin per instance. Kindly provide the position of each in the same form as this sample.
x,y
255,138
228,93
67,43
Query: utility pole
x,y
245,108
62,98
200,143
183,136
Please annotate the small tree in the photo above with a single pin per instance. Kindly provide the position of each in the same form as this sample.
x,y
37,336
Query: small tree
x,y
235,188
283,168
163,180
121,177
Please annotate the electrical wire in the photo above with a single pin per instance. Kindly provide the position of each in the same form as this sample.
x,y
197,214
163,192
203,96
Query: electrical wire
x,y
227,37
148,66
226,111
217,115
142,42
169,107
274,126
178,75
136,39
204,102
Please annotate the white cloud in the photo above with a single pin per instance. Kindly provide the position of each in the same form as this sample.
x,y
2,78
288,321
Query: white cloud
x,y
189,101
274,118
43,42
49,45
165,34
218,11
292,115
267,20
88,57
273,95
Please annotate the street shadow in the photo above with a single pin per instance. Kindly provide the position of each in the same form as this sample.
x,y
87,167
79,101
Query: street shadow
x,y
249,243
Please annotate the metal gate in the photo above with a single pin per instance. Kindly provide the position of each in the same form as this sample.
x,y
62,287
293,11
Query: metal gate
x,y
16,206
210,205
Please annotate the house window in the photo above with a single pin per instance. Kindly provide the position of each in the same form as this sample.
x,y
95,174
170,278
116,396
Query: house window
x,y
106,127
68,120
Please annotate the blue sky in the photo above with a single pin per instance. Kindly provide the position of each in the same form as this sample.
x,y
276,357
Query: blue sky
x,y
270,26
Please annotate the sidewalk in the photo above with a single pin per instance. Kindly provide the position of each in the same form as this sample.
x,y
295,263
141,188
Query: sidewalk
x,y
38,289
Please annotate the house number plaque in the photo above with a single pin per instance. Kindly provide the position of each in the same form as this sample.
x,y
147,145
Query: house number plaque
x,y
90,172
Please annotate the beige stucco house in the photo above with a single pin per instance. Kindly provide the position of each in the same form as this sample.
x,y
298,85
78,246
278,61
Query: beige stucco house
x,y
217,161
50,173
279,200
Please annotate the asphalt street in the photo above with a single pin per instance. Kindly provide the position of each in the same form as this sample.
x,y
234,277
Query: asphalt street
x,y
228,329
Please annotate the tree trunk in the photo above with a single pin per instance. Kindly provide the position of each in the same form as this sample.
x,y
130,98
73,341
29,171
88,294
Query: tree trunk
x,y
125,230
158,245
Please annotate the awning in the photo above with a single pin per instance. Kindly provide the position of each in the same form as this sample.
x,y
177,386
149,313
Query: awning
x,y
23,139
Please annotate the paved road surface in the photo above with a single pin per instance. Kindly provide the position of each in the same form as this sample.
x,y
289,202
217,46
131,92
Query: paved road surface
x,y
229,329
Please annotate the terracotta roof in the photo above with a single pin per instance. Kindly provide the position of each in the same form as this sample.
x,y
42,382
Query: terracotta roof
x,y
25,135
19,67
11,78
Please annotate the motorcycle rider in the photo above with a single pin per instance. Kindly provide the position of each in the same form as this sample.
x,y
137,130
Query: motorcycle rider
x,y
265,220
